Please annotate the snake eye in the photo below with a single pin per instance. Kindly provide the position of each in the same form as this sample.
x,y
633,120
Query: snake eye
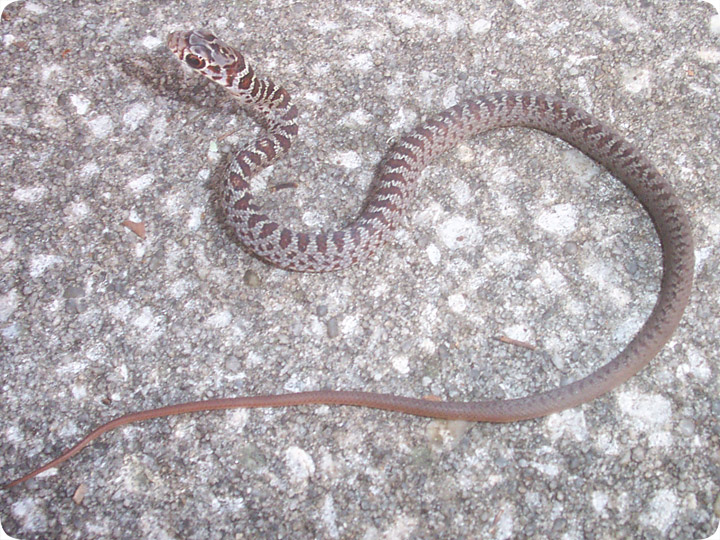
x,y
194,61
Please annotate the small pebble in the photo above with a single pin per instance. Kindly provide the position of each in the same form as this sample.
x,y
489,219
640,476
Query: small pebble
x,y
251,279
74,291
570,248
716,407
559,525
686,427
333,328
232,364
74,306
443,353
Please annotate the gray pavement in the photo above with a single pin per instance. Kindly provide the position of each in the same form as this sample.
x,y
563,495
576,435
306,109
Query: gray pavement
x,y
513,233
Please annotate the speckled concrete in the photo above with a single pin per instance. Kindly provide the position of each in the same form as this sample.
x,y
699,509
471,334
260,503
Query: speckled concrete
x,y
513,234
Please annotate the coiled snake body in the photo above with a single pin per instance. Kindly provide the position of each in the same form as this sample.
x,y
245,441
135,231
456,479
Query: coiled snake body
x,y
321,252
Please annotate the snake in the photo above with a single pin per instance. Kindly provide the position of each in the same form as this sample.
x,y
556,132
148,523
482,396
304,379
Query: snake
x,y
388,198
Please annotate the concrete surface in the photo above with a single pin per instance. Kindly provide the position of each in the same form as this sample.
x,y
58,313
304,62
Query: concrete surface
x,y
512,234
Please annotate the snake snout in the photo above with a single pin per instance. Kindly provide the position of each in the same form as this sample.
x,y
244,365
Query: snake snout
x,y
196,36
177,41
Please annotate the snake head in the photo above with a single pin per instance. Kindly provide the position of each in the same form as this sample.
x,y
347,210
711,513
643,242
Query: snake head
x,y
203,52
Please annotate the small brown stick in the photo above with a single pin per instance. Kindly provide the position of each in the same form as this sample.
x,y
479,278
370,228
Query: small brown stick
x,y
286,185
226,135
517,343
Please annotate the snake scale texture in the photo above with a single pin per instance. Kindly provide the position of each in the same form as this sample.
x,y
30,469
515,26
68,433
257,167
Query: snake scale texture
x,y
390,196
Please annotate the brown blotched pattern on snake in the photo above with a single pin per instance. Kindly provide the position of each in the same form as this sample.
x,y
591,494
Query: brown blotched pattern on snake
x,y
393,191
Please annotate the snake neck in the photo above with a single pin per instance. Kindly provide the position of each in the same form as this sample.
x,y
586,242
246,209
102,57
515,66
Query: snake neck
x,y
268,103
271,106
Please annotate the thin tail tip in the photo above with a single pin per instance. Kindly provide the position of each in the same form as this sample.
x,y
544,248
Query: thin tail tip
x,y
25,478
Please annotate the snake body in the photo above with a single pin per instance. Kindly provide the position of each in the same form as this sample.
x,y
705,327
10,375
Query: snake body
x,y
391,194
